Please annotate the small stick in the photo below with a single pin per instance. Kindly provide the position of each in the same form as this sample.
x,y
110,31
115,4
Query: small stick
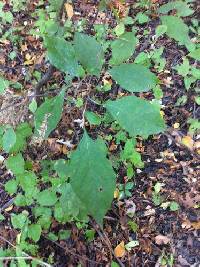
x,y
106,240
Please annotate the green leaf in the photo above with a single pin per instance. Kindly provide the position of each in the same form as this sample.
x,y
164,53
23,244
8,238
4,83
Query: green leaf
x,y
94,179
136,116
18,220
64,234
15,164
123,48
61,54
114,264
23,131
178,30
89,52
184,68
3,85
119,29
181,7
2,218
9,139
69,201
61,167
142,18
174,206
134,77
195,54
47,198
48,115
34,232
93,118
11,186
131,244
33,106
28,182
160,30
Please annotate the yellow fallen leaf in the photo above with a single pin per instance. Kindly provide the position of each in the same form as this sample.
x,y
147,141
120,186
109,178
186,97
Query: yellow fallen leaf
x,y
162,113
9,208
176,125
188,141
69,10
116,193
196,225
120,250
29,60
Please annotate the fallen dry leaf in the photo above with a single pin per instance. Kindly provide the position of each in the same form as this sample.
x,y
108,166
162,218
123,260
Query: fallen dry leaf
x,y
120,250
9,208
188,142
196,225
69,10
176,125
116,193
162,240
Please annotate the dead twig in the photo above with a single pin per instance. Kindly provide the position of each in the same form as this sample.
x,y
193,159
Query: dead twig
x,y
106,240
71,252
38,88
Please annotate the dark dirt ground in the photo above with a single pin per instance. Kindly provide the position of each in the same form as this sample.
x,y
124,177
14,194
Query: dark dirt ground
x,y
166,161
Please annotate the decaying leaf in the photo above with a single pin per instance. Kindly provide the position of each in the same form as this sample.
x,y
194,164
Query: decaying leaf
x,y
162,240
188,142
120,250
69,10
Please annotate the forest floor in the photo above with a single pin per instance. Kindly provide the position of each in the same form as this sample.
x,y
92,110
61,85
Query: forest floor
x,y
165,236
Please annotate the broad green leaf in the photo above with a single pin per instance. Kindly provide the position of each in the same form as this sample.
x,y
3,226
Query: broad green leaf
x,y
137,116
23,131
48,115
61,54
142,18
18,220
3,85
9,139
11,186
93,118
184,68
94,180
64,234
34,232
89,52
195,54
181,7
15,164
119,29
28,182
61,167
178,30
69,201
47,198
133,77
160,30
123,48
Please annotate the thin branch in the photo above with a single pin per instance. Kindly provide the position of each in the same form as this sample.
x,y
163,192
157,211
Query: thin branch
x,y
71,252
106,240
42,82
